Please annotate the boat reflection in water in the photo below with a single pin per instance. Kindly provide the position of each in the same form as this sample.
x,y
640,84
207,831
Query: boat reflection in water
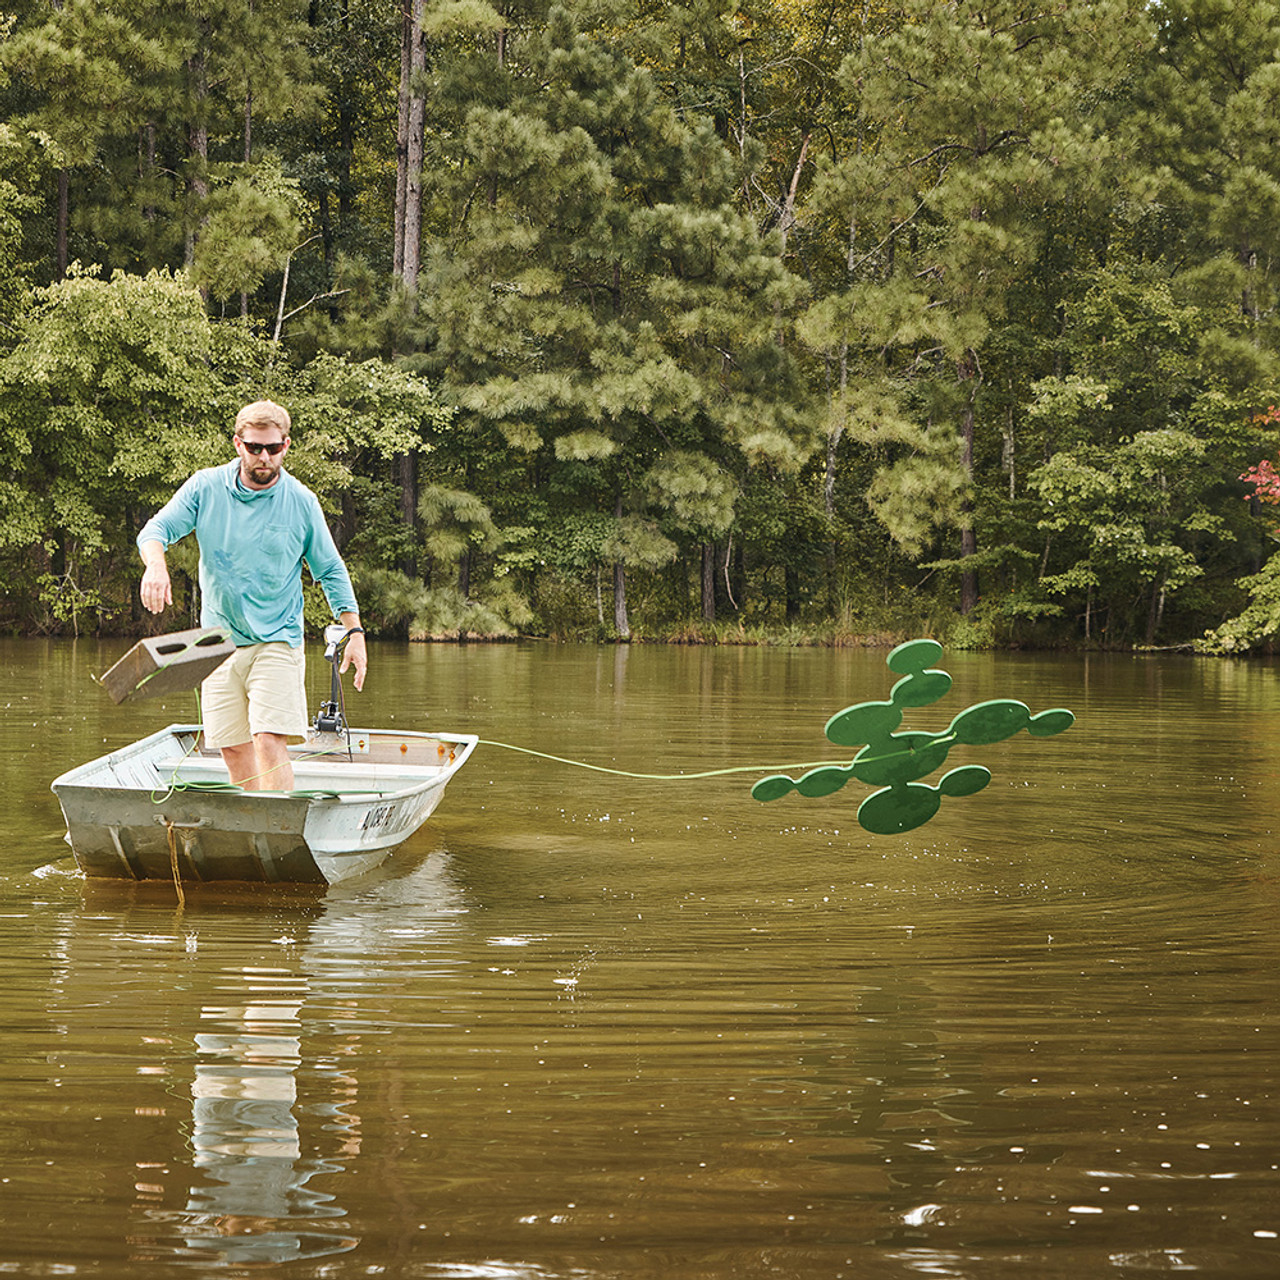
x,y
251,1201
246,1140
225,1040
260,1025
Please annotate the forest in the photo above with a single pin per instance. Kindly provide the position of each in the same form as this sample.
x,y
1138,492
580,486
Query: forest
x,y
783,321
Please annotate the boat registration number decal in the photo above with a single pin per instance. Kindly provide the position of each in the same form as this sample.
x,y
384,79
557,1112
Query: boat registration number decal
x,y
378,816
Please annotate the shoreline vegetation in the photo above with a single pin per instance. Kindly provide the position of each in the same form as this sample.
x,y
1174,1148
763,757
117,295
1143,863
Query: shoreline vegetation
x,y
800,638
612,321
848,631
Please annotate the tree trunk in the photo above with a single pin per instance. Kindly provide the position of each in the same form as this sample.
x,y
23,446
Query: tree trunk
x,y
791,584
736,580
409,150
248,106
198,140
413,192
326,234
708,582
346,524
1155,615
968,577
408,224
970,374
1249,305
149,169
1009,455
64,210
729,594
407,470
464,574
248,157
620,623
787,214
402,142
346,133
836,432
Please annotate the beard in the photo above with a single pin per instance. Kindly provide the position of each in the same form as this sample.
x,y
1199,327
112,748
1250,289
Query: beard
x,y
261,473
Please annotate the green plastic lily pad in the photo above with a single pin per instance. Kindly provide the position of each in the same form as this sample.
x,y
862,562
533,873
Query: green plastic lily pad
x,y
967,780
773,787
920,689
991,721
913,655
903,758
866,722
1044,724
895,760
898,809
823,781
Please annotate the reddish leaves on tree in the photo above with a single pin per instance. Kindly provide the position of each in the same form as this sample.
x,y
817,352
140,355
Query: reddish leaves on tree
x,y
1265,480
1264,477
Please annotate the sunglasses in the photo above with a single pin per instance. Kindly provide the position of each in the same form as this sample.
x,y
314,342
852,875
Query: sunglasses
x,y
254,448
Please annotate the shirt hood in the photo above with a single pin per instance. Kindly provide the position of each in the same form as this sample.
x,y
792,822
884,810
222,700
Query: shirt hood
x,y
241,491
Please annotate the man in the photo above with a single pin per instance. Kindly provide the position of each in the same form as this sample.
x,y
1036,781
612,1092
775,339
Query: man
x,y
255,525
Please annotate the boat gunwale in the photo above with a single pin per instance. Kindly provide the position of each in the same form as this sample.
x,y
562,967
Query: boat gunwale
x,y
89,773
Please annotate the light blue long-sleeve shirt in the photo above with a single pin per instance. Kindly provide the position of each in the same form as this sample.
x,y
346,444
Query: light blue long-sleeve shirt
x,y
252,545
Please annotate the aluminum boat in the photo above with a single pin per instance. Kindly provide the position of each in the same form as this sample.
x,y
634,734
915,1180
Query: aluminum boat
x,y
164,808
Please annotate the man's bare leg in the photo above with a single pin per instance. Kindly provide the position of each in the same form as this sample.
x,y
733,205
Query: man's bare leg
x,y
260,765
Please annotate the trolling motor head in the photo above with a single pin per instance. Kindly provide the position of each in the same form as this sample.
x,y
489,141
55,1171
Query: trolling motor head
x,y
330,718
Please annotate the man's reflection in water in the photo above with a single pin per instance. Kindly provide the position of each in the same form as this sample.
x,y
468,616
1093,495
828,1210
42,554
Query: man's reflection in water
x,y
245,1135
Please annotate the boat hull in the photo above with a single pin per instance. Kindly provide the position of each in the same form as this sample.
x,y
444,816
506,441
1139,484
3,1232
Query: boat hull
x,y
162,809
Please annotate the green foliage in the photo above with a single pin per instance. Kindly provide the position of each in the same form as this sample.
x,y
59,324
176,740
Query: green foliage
x,y
637,542
697,493
808,318
456,521
118,389
604,307
150,111
251,226
396,603
921,491
112,395
1127,514
1258,623
17,179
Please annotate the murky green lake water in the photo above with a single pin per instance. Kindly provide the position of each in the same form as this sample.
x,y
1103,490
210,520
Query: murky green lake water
x,y
594,1026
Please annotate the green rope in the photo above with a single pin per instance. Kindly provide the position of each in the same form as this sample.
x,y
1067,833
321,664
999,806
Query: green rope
x,y
689,777
176,784
304,793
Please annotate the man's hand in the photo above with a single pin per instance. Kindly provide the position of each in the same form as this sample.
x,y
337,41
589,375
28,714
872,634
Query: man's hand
x,y
156,591
354,653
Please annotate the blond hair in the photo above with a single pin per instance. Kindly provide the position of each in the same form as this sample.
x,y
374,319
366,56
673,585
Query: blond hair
x,y
264,413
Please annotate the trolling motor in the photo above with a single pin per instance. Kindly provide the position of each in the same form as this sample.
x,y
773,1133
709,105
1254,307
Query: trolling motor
x,y
331,718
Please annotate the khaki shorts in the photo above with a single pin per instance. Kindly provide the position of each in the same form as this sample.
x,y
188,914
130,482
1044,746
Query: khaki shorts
x,y
261,688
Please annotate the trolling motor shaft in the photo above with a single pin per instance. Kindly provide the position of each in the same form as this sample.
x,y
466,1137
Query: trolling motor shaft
x,y
330,718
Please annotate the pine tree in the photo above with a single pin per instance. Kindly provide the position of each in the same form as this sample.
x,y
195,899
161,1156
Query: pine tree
x,y
149,110
974,121
599,302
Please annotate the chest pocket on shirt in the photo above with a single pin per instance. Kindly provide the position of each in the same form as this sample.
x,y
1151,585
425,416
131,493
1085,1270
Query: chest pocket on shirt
x,y
281,546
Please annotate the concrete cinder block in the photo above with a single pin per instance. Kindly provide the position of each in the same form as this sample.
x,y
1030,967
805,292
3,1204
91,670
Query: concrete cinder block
x,y
172,663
